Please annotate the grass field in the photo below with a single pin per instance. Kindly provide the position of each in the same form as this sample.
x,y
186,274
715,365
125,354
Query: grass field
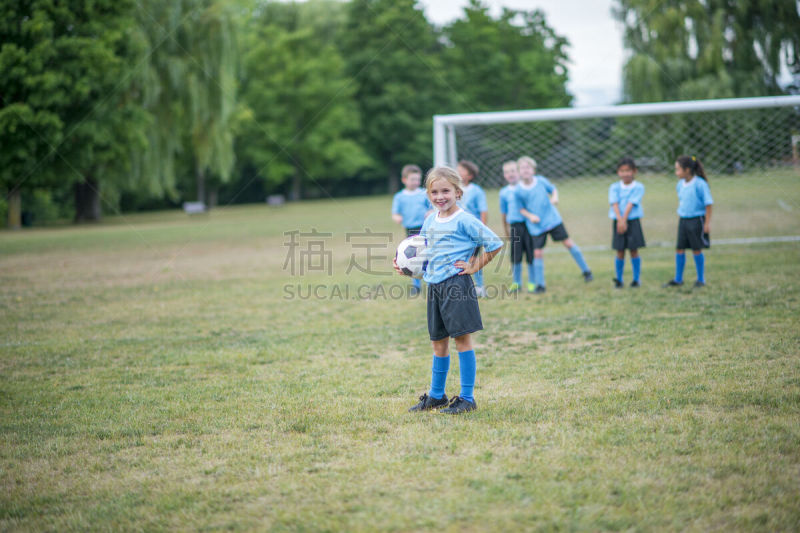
x,y
161,372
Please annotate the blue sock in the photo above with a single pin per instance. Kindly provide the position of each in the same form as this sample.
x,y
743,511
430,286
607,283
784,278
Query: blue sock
x,y
619,267
680,262
439,376
538,272
531,273
700,265
578,257
478,278
636,262
516,273
416,283
467,366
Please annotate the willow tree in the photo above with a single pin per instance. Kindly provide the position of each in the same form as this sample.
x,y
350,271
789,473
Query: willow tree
x,y
190,92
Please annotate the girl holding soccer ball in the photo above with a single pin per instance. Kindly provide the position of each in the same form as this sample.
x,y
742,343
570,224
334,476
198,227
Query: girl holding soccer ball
x,y
452,236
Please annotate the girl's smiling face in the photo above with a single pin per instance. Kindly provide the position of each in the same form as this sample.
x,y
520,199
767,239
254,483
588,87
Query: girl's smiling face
x,y
443,195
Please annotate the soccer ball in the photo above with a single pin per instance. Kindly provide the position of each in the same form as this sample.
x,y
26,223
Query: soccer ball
x,y
412,256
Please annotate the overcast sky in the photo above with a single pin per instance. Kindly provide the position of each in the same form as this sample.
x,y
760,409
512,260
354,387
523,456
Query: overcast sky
x,y
595,52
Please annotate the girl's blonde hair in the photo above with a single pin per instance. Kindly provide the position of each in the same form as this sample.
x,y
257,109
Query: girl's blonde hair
x,y
444,173
531,161
509,163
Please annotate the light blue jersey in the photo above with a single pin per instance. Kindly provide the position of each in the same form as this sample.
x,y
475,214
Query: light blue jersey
x,y
693,197
474,200
508,204
622,194
452,239
536,199
412,206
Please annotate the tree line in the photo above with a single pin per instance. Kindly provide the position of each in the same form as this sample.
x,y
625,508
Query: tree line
x,y
121,105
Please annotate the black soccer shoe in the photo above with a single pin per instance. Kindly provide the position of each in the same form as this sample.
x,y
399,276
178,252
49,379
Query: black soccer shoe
x,y
635,284
540,289
426,403
459,405
672,283
617,283
587,276
699,284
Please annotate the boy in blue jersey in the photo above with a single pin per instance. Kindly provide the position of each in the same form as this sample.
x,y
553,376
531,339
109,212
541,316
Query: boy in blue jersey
x,y
453,310
537,197
694,210
410,206
514,226
625,199
473,202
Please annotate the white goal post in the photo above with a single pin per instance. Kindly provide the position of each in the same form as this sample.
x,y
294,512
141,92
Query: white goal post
x,y
445,127
749,147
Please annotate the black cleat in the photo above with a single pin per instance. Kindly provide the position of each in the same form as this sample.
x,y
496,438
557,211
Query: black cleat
x,y
699,284
673,283
635,284
540,289
617,283
426,403
587,276
459,405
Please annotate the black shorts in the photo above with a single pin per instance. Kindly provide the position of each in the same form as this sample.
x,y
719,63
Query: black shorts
x,y
453,308
559,233
413,231
521,242
632,239
690,234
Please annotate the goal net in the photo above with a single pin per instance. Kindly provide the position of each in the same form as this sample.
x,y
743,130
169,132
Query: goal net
x,y
750,148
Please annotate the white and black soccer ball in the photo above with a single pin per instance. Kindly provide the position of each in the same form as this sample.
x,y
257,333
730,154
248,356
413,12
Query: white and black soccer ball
x,y
412,256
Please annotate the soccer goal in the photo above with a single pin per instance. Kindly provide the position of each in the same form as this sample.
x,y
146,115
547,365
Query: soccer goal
x,y
749,146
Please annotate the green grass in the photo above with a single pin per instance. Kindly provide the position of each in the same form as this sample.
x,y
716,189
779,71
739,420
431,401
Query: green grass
x,y
155,375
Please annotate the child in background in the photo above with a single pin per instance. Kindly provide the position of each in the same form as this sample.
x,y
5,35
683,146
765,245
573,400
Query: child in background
x,y
625,198
410,206
514,226
694,210
453,311
537,197
474,203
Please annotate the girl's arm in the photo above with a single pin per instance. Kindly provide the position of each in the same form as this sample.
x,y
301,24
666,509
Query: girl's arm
x,y
554,197
622,223
505,225
477,264
707,224
484,216
398,218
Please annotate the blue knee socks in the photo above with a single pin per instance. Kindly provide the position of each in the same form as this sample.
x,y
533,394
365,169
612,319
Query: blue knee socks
x,y
619,267
636,263
578,257
467,366
680,262
538,272
700,265
439,376
516,273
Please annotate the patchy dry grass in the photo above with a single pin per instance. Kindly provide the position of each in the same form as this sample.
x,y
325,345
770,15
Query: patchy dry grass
x,y
155,374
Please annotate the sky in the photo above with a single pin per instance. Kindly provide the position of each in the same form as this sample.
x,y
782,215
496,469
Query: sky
x,y
596,53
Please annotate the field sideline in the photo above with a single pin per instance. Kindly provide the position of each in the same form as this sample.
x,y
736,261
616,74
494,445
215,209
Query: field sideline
x,y
161,372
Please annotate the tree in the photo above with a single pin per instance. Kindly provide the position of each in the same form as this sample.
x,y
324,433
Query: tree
x,y
69,115
191,92
393,54
708,48
513,62
298,120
